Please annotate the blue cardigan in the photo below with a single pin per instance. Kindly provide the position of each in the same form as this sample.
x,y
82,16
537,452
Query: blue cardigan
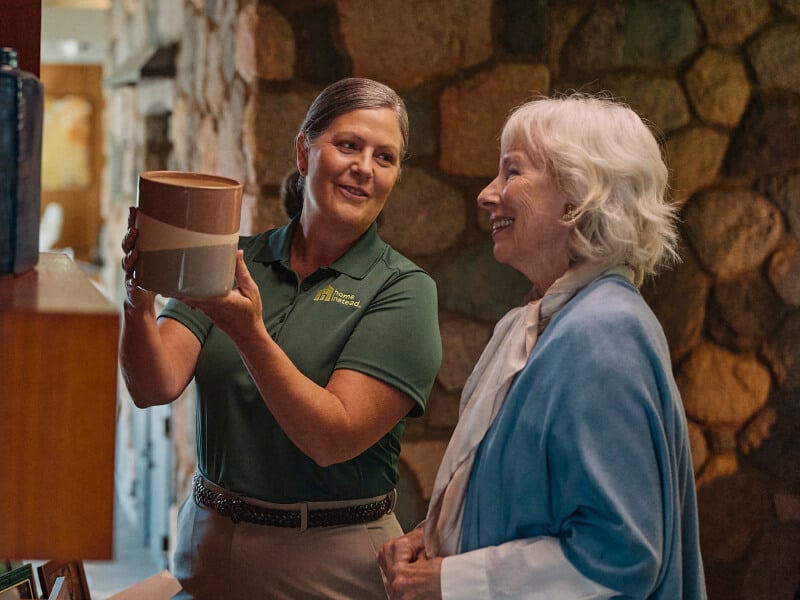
x,y
591,448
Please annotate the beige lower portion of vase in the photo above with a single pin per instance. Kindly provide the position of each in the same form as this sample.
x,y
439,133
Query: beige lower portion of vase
x,y
202,272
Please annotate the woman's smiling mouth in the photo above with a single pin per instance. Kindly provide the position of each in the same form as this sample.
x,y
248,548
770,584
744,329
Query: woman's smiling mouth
x,y
354,191
501,224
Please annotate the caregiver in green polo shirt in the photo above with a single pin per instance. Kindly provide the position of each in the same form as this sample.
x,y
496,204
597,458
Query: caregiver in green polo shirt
x,y
305,372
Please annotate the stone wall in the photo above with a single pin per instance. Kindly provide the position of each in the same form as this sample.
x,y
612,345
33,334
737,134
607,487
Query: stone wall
x,y
719,80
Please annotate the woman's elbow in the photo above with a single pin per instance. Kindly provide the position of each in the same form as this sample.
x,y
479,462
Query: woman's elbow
x,y
328,452
142,400
326,457
147,396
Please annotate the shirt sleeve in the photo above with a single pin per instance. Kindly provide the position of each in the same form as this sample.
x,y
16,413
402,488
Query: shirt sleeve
x,y
533,569
194,320
397,340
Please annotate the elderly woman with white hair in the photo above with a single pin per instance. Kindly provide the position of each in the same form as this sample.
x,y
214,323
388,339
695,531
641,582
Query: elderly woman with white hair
x,y
569,474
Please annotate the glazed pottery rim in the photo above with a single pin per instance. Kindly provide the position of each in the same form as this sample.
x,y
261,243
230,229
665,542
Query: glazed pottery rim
x,y
191,179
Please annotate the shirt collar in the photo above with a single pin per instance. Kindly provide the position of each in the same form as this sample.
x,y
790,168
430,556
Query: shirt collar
x,y
355,263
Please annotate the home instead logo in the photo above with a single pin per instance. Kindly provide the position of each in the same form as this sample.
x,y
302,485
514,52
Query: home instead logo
x,y
331,294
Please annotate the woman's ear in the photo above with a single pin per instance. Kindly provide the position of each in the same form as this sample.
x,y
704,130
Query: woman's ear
x,y
569,213
301,148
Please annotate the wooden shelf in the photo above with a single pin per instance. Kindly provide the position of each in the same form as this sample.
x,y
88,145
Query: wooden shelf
x,y
58,351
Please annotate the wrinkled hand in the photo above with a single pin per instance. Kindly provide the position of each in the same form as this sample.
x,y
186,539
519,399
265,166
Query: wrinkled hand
x,y
135,297
405,548
239,312
410,574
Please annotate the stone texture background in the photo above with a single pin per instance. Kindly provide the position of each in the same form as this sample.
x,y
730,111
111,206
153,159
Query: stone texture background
x,y
718,79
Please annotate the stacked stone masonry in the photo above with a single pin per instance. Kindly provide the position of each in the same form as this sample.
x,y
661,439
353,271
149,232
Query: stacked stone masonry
x,y
719,80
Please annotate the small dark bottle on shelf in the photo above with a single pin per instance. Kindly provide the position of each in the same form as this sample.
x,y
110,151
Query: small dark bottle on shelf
x,y
21,113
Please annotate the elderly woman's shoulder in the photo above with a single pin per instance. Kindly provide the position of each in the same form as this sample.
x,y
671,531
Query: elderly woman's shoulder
x,y
609,317
608,302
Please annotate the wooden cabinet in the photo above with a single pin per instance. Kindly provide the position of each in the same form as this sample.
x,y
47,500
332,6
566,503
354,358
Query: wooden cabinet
x,y
58,378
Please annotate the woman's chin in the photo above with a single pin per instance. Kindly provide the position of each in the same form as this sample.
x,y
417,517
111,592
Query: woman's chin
x,y
501,256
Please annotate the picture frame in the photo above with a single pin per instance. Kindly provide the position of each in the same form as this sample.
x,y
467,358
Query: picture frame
x,y
60,590
18,583
9,565
73,573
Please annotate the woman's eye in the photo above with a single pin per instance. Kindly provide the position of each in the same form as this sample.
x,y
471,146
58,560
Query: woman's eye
x,y
386,157
347,145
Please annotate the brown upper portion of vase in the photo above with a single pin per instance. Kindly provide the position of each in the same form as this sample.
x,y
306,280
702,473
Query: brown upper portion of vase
x,y
195,201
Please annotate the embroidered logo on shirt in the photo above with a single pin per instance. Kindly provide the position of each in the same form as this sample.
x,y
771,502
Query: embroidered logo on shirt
x,y
331,294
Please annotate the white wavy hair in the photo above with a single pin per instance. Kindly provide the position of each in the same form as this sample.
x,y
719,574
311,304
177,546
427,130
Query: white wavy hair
x,y
607,161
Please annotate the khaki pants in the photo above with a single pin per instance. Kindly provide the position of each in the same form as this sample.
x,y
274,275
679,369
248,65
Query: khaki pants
x,y
217,559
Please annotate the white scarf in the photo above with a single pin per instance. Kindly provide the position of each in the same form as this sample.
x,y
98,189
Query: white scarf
x,y
484,393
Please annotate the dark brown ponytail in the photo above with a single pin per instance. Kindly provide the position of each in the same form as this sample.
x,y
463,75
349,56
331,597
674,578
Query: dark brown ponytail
x,y
292,189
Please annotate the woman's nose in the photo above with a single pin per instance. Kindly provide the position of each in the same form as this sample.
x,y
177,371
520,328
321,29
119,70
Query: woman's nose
x,y
490,194
361,165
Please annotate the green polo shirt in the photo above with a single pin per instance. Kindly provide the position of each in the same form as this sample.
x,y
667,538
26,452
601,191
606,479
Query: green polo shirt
x,y
372,311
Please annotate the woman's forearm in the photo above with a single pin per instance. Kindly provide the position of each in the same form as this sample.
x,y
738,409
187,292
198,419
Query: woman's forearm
x,y
307,412
329,424
149,367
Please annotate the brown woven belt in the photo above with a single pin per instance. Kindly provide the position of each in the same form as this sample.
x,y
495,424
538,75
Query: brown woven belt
x,y
240,510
